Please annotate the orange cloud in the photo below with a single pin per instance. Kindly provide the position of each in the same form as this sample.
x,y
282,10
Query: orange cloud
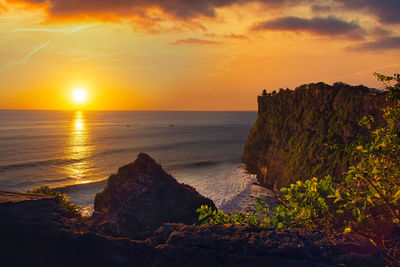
x,y
330,26
152,14
236,36
385,10
195,41
382,44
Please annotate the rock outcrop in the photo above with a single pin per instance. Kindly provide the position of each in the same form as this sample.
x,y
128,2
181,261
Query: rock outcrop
x,y
142,196
292,137
170,245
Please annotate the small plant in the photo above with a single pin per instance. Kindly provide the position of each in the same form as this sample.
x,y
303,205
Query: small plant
x,y
70,208
208,215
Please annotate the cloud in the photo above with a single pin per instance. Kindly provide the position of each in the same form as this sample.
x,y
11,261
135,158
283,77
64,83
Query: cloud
x,y
330,26
27,57
380,32
321,8
152,12
371,70
387,11
65,31
236,36
178,9
183,9
387,43
195,41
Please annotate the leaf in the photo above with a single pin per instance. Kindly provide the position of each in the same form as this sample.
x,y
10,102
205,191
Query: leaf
x,y
397,195
347,230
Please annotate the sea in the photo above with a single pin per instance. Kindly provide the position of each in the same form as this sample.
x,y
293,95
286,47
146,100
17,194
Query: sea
x,y
76,151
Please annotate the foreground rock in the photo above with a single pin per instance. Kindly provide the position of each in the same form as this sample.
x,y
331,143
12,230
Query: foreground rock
x,y
142,196
235,245
32,215
34,232
182,245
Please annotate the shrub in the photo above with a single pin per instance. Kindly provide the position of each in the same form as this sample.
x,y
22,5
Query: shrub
x,y
208,215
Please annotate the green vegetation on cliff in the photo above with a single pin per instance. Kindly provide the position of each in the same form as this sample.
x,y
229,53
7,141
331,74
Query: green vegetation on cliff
x,y
297,133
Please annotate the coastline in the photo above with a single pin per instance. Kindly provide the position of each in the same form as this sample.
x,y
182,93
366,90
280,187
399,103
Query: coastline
x,y
241,201
245,201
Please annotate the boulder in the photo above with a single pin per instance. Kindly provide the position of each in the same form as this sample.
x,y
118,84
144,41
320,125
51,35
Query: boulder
x,y
142,196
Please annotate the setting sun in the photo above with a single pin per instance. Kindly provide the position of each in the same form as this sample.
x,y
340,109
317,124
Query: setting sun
x,y
79,95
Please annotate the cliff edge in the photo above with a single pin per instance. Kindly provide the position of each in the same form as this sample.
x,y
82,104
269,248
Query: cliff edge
x,y
292,135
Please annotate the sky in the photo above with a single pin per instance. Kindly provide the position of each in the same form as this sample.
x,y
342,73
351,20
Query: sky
x,y
187,54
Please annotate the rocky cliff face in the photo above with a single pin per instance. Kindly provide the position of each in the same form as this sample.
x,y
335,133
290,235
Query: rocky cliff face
x,y
294,130
142,196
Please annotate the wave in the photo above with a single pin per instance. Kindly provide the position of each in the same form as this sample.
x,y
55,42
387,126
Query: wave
x,y
143,148
39,163
171,145
198,164
67,189
30,137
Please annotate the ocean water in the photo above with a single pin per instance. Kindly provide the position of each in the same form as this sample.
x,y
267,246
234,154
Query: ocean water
x,y
75,151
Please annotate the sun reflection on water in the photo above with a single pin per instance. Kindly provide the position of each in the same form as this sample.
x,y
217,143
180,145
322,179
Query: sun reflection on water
x,y
79,150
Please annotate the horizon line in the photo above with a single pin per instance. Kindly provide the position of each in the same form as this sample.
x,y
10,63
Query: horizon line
x,y
139,110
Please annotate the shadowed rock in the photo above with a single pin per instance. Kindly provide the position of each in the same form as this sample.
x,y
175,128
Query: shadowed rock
x,y
37,214
142,196
183,245
234,245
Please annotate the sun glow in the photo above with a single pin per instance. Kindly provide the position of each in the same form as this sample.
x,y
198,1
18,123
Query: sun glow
x,y
79,95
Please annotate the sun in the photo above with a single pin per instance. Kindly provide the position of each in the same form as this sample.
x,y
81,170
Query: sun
x,y
79,95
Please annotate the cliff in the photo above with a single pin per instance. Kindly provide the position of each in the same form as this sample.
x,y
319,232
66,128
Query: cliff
x,y
292,137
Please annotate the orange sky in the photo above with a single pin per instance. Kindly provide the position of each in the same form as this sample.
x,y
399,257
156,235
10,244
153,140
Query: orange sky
x,y
187,54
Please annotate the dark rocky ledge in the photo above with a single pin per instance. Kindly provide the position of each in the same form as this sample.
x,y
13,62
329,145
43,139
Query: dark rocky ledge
x,y
34,231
